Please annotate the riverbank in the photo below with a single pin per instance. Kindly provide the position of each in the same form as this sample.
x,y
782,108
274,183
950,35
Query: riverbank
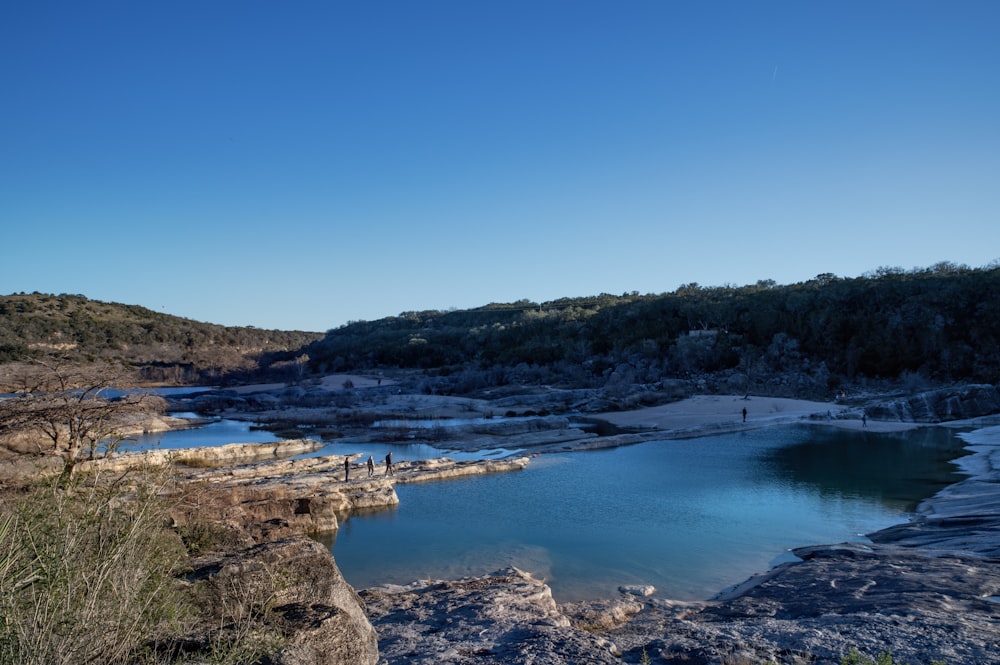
x,y
362,409
711,413
928,590
924,591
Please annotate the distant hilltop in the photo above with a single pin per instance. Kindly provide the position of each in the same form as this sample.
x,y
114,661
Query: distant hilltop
x,y
163,348
922,327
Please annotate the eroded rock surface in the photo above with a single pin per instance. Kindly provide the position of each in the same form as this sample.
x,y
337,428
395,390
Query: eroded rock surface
x,y
507,617
310,494
937,406
918,606
319,617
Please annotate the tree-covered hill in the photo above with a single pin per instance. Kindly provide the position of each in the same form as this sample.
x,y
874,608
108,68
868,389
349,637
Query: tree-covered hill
x,y
163,347
940,324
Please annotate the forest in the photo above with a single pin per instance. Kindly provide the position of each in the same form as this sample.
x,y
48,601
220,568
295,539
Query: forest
x,y
932,325
939,324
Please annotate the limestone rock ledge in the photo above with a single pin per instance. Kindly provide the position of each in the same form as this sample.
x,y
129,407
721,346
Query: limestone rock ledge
x,y
319,616
207,456
919,606
310,494
937,406
266,507
506,617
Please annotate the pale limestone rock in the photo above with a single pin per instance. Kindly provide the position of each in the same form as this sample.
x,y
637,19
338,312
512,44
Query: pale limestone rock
x,y
506,617
641,590
319,615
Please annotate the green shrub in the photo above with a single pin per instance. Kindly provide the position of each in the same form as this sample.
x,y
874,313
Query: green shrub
x,y
855,657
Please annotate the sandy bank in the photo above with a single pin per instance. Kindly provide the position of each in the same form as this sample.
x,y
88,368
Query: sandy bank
x,y
329,382
704,415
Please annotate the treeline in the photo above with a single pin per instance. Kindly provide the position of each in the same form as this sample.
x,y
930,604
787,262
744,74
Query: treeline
x,y
941,323
162,348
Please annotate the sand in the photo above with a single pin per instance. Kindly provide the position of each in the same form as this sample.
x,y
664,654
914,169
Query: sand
x,y
706,411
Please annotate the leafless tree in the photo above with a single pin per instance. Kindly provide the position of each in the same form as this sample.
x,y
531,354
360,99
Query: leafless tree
x,y
76,410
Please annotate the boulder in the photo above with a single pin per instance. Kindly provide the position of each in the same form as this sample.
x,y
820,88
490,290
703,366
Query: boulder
x,y
641,590
505,617
293,591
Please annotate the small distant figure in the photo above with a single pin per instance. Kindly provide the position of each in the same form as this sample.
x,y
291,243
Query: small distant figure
x,y
371,466
744,414
864,420
389,471
347,469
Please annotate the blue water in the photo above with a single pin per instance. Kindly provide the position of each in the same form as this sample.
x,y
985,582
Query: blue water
x,y
215,433
690,517
223,431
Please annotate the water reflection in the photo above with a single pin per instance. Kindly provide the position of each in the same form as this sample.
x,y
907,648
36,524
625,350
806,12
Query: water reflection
x,y
223,431
214,433
898,470
690,517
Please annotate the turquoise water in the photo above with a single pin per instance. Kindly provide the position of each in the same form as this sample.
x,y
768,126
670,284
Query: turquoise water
x,y
690,517
215,433
223,431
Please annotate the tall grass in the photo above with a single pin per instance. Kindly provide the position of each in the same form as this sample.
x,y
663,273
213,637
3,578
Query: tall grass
x,y
87,573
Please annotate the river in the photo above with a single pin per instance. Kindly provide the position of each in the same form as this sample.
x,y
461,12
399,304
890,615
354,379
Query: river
x,y
691,517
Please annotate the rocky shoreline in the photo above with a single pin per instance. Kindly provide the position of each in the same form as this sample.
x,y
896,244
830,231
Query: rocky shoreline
x,y
924,591
927,590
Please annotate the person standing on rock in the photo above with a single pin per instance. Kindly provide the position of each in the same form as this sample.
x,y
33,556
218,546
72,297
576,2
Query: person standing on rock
x,y
347,469
744,414
371,466
388,464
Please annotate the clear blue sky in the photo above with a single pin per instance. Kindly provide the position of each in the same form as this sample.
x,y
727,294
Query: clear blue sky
x,y
297,165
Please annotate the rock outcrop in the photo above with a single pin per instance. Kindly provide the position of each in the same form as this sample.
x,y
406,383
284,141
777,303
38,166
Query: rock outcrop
x,y
937,406
310,494
207,456
919,606
292,591
506,617
269,580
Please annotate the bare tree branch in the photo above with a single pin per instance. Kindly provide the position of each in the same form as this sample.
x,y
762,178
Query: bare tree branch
x,y
80,410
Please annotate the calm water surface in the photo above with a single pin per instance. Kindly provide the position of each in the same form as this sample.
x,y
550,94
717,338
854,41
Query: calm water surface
x,y
223,431
690,517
